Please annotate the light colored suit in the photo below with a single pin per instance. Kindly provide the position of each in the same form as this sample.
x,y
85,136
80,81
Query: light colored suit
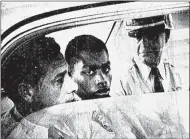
x,y
9,121
137,81
13,128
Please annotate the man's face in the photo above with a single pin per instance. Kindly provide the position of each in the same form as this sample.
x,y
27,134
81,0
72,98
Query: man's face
x,y
151,48
55,87
92,74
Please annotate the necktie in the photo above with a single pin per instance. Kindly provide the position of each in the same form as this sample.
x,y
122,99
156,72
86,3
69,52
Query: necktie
x,y
158,87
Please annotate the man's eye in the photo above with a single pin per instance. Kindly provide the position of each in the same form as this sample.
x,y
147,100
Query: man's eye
x,y
59,81
90,72
106,70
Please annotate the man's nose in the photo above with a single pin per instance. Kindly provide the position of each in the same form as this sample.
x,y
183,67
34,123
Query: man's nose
x,y
69,91
101,79
72,85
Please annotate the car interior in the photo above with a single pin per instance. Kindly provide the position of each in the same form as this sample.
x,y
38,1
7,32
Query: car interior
x,y
106,21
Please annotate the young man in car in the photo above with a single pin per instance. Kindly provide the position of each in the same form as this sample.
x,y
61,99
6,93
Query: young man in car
x,y
35,77
150,72
89,66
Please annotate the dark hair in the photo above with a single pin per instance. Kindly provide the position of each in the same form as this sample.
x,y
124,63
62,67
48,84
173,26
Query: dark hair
x,y
29,63
83,43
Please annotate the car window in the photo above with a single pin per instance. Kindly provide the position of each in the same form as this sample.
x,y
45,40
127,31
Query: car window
x,y
122,48
114,34
100,30
37,44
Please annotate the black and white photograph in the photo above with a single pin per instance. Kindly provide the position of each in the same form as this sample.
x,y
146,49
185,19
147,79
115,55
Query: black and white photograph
x,y
95,70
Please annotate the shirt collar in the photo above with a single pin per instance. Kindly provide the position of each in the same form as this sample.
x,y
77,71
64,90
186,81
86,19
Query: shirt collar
x,y
145,70
17,116
162,69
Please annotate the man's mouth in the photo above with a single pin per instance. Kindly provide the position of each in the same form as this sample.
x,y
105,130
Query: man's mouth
x,y
151,51
102,92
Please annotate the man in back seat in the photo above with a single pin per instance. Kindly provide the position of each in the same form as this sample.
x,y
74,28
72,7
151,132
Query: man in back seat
x,y
35,77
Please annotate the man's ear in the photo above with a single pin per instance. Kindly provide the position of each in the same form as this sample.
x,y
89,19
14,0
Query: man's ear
x,y
139,45
26,92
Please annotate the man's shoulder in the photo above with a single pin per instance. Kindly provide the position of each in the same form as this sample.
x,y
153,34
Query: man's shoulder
x,y
166,61
6,116
131,71
133,66
168,64
8,123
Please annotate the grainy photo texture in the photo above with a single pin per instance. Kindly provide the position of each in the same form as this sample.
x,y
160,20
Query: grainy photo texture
x,y
94,70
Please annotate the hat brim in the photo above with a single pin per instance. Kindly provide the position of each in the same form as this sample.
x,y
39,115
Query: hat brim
x,y
148,30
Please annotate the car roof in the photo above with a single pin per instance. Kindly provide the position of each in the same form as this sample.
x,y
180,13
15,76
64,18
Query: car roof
x,y
18,22
14,12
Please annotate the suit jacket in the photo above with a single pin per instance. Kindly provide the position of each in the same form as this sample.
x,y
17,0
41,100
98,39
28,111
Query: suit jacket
x,y
13,128
136,80
9,121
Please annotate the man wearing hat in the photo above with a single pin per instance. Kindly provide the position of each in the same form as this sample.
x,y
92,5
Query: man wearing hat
x,y
150,73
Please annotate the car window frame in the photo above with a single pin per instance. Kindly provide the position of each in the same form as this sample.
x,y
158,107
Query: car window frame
x,y
31,28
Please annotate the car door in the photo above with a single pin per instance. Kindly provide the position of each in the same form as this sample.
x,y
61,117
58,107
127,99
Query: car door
x,y
106,20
